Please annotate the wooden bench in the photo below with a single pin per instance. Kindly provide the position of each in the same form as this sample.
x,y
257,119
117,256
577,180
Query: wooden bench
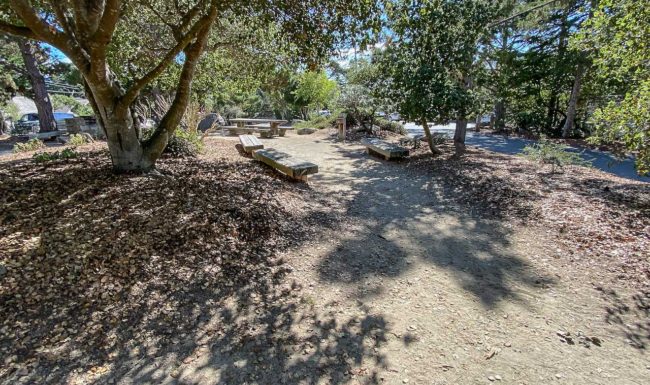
x,y
250,143
287,164
245,130
387,150
414,140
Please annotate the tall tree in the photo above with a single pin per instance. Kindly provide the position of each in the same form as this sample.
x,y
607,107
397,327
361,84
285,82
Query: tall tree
x,y
37,80
172,31
25,62
431,60
618,37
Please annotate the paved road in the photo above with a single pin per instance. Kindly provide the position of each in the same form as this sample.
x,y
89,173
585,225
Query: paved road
x,y
601,160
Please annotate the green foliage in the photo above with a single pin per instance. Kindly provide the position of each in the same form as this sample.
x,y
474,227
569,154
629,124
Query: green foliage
x,y
30,145
184,143
358,103
428,66
387,125
77,140
67,153
547,152
314,90
318,122
60,102
10,109
617,36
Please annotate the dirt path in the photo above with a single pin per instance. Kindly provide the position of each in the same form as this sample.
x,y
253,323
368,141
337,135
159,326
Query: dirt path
x,y
381,278
463,300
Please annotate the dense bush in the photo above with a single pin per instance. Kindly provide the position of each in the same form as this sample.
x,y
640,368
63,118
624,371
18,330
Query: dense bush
x,y
387,125
41,157
318,122
31,145
79,139
184,144
61,102
547,152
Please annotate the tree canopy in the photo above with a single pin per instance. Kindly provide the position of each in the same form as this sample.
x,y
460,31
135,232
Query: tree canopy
x,y
157,34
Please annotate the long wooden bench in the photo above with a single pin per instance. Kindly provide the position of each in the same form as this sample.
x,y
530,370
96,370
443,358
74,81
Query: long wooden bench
x,y
294,167
245,130
386,150
250,143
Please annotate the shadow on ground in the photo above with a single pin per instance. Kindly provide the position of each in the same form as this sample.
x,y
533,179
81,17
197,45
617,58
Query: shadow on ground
x,y
409,209
137,279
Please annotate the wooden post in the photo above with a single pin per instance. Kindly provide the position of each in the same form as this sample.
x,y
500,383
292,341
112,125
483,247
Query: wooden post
x,y
341,126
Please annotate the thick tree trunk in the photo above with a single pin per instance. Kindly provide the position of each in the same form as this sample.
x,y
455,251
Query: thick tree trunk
x,y
569,123
427,133
459,134
127,153
36,79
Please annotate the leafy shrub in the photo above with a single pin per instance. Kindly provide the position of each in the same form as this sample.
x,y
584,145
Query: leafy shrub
x,y
77,140
11,110
438,138
318,122
61,102
68,153
31,145
547,152
387,125
184,144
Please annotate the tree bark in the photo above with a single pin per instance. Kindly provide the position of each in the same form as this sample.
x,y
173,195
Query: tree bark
x,y
500,116
84,37
427,133
36,79
459,134
569,123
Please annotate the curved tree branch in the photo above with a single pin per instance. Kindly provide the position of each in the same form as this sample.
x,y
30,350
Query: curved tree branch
x,y
196,30
17,30
41,29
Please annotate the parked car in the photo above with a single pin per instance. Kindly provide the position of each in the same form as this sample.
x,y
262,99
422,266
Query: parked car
x,y
380,114
29,123
324,113
395,117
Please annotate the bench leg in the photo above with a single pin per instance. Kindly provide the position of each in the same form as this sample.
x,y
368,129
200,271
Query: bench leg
x,y
302,178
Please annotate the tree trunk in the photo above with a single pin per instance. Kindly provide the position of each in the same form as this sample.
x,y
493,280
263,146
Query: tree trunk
x,y
427,133
459,134
3,124
569,123
127,153
41,98
477,125
500,116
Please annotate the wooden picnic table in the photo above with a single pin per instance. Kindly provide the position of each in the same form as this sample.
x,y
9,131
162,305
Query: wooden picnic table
x,y
274,123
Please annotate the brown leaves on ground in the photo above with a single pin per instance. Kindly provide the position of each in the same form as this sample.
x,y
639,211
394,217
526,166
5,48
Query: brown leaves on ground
x,y
94,264
602,221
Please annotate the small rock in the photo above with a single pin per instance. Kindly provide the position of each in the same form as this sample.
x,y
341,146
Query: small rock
x,y
498,377
175,373
559,375
491,378
507,344
406,380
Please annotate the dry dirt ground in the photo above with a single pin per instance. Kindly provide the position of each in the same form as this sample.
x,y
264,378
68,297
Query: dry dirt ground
x,y
426,271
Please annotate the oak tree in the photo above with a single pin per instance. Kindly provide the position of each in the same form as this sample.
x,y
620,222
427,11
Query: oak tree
x,y
165,32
